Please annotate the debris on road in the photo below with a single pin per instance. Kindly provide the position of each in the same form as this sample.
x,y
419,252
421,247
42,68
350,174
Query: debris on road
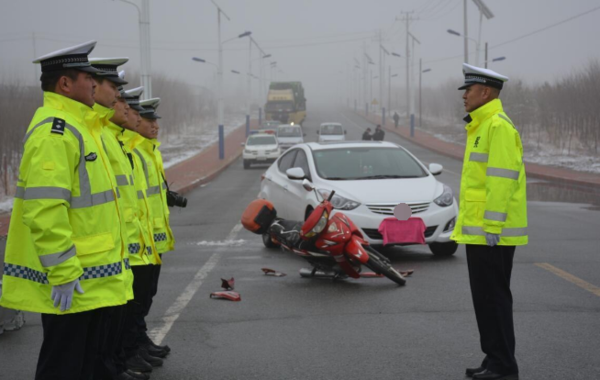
x,y
227,295
271,272
228,284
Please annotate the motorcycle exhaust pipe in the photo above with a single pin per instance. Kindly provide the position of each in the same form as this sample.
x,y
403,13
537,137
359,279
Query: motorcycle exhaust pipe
x,y
308,273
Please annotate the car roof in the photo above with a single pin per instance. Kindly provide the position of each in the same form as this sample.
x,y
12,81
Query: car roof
x,y
254,135
290,125
349,144
322,124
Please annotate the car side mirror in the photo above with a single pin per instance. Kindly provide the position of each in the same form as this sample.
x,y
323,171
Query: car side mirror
x,y
435,169
307,185
295,173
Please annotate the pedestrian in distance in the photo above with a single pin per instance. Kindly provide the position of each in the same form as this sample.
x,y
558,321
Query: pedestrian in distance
x,y
64,255
396,118
367,135
492,218
379,133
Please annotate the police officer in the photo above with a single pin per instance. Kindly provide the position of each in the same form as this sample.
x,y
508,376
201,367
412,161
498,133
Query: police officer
x,y
379,133
492,218
164,241
64,254
109,106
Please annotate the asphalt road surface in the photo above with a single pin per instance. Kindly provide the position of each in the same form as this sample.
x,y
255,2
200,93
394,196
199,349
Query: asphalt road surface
x,y
295,328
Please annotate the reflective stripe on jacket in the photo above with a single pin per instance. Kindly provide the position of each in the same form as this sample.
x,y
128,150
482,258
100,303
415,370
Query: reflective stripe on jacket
x,y
493,195
65,222
152,163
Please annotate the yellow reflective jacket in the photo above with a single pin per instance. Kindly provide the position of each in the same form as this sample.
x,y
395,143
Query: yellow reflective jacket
x,y
152,164
138,247
65,222
493,195
130,141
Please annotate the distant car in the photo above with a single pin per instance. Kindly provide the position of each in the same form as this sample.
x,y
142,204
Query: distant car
x,y
268,124
260,148
331,132
370,179
289,135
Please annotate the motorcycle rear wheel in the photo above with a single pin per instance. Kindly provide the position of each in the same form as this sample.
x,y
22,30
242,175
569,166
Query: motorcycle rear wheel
x,y
379,267
268,242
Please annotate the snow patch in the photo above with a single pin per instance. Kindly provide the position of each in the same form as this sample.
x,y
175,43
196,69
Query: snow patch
x,y
6,204
221,243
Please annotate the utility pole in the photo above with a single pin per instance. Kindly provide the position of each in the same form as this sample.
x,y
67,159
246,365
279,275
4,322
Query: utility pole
x,y
220,104
466,34
35,72
407,18
146,57
486,55
389,89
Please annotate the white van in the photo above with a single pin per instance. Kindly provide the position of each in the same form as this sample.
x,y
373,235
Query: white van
x,y
289,135
331,132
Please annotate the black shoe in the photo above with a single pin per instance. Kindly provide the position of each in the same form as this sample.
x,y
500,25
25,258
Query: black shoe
x,y
161,348
138,375
156,352
153,360
489,375
137,364
471,371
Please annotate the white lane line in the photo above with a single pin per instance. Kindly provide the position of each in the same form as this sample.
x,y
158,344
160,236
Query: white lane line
x,y
172,314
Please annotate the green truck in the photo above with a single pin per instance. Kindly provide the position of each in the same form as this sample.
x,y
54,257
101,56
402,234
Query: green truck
x,y
286,102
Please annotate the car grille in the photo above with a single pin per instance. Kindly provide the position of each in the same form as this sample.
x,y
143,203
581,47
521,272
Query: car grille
x,y
388,208
374,233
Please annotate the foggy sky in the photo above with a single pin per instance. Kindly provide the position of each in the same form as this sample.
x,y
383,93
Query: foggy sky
x,y
185,28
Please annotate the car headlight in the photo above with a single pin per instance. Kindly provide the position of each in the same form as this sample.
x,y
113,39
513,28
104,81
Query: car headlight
x,y
446,198
338,201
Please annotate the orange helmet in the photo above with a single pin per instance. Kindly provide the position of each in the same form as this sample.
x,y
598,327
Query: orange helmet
x,y
258,216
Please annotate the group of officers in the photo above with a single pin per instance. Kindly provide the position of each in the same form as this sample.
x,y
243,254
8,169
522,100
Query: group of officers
x,y
90,221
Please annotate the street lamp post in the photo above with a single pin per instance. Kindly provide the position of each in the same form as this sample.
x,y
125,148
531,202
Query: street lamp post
x,y
453,32
145,64
421,71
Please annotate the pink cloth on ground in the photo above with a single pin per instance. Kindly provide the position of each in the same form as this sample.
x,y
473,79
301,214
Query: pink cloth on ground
x,y
394,231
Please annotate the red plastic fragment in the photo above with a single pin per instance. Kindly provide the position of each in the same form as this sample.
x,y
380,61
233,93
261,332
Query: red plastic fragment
x,y
228,284
227,295
271,272
370,274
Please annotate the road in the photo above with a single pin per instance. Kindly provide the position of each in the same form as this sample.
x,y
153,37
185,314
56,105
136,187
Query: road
x,y
295,328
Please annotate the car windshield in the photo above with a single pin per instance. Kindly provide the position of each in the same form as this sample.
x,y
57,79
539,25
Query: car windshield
x,y
289,132
362,163
262,140
332,129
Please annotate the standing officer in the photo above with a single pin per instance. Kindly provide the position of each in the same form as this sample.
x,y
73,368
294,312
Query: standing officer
x,y
367,135
164,241
109,106
64,254
492,218
379,133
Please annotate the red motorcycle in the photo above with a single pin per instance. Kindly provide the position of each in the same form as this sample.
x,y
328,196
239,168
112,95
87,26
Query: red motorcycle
x,y
333,245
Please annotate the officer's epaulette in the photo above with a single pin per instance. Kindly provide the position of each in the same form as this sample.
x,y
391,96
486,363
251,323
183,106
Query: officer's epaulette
x,y
58,126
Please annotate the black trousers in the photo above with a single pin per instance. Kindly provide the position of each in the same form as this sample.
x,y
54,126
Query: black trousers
x,y
70,346
143,337
110,363
136,308
490,270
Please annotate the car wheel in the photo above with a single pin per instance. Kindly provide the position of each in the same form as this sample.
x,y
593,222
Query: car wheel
x,y
268,242
309,211
246,164
443,249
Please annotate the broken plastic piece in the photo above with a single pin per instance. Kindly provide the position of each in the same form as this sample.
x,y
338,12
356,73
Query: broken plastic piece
x,y
271,272
227,295
407,272
228,284
370,275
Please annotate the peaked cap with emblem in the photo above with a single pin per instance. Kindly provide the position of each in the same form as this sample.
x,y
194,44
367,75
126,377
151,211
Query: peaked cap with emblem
x,y
479,75
74,57
122,76
108,68
132,98
150,106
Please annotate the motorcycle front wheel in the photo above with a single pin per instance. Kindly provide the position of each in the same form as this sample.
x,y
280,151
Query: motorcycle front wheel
x,y
380,267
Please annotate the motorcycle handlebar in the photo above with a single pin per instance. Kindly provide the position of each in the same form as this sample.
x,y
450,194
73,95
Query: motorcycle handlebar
x,y
331,196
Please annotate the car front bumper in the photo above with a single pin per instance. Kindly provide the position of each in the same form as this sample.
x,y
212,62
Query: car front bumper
x,y
437,222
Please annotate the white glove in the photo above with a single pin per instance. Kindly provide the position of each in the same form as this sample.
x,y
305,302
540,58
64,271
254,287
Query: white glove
x,y
63,294
492,239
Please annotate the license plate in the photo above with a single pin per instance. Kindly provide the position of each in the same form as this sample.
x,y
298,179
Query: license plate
x,y
261,159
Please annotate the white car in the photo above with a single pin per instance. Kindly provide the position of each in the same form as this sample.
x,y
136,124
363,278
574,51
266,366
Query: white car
x,y
370,179
289,135
331,132
260,148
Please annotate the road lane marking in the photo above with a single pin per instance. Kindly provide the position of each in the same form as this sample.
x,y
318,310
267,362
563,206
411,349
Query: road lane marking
x,y
172,314
569,277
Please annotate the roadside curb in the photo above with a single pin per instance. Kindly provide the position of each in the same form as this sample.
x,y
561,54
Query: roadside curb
x,y
550,173
194,171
